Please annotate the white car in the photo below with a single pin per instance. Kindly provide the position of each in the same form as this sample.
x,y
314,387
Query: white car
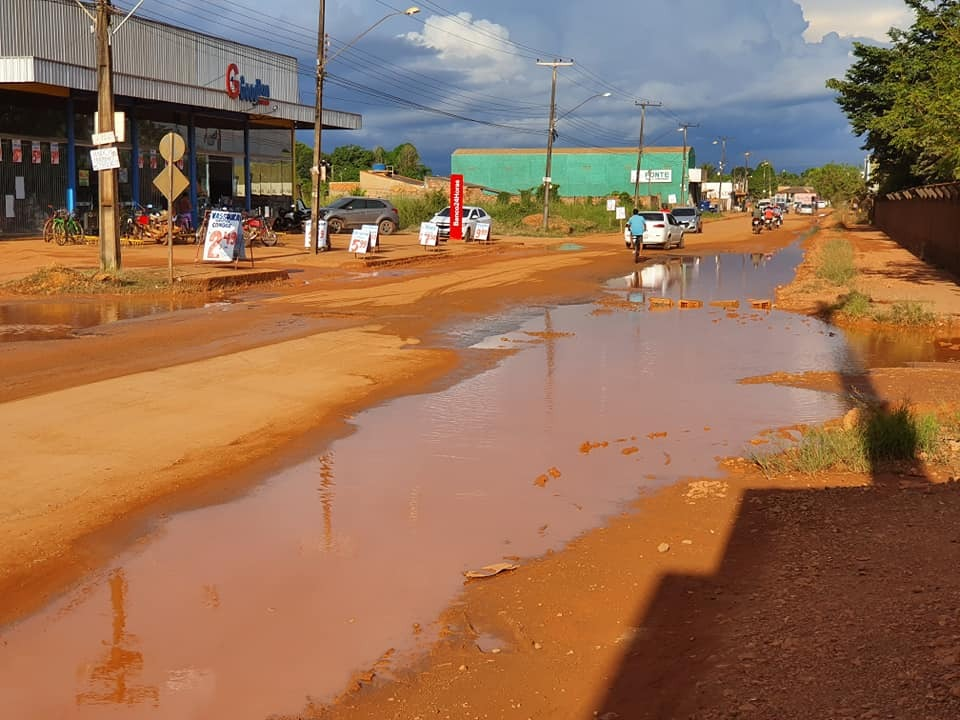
x,y
662,228
805,209
472,216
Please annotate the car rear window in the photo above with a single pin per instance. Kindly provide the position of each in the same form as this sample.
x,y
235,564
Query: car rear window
x,y
683,212
652,216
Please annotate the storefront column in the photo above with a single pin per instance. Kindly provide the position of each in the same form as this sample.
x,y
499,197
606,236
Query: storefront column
x,y
71,199
192,171
134,161
246,166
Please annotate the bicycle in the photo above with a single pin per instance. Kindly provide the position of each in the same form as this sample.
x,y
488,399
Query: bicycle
x,y
63,227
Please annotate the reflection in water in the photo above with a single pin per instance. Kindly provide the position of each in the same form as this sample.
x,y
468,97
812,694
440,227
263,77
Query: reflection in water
x,y
326,498
112,679
550,342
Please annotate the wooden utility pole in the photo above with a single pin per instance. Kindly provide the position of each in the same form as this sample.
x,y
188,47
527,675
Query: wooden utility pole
x,y
684,169
551,132
107,179
315,170
643,105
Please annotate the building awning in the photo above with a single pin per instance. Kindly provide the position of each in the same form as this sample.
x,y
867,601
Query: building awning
x,y
34,72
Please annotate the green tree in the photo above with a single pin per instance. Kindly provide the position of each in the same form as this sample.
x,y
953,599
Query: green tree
x,y
303,160
406,161
837,183
348,161
904,99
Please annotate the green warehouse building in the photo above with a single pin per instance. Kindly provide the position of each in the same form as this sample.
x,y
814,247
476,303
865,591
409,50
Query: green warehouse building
x,y
582,172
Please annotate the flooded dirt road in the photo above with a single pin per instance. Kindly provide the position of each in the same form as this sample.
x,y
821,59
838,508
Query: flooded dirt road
x,y
259,604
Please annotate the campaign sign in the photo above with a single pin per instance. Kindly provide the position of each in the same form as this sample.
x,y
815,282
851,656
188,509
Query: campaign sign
x,y
360,241
428,233
374,231
322,239
621,213
611,204
224,239
481,232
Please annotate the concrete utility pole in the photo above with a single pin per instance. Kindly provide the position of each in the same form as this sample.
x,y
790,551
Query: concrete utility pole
x,y
107,179
643,105
683,172
746,174
551,131
317,131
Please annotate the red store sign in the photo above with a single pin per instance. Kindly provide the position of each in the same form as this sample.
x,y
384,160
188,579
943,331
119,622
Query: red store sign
x,y
456,207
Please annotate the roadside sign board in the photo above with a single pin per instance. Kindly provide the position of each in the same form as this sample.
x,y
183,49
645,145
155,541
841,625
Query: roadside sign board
x,y
621,212
360,241
171,182
104,159
611,204
224,239
456,207
428,233
322,239
374,231
104,138
481,232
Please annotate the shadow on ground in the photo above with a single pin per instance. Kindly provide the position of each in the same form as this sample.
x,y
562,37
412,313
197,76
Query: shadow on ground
x,y
828,603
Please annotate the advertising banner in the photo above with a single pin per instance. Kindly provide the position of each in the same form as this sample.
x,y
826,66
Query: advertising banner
x,y
456,207
224,239
481,232
621,212
428,234
322,239
54,153
360,241
16,151
612,202
374,231
35,156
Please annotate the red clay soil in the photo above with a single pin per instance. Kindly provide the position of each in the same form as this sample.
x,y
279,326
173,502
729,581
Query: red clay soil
x,y
795,597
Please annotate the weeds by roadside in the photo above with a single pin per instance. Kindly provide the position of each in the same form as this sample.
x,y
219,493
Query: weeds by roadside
x,y
873,436
903,313
62,280
907,312
836,262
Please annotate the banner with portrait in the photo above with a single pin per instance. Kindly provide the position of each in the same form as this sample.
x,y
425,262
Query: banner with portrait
x,y
224,239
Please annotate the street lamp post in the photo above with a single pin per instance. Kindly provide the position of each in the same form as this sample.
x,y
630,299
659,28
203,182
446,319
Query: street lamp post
x,y
722,142
683,168
746,174
322,61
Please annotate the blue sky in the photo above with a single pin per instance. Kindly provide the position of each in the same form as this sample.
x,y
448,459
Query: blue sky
x,y
464,74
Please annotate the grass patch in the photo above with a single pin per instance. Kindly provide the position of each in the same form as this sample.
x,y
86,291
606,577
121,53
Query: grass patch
x,y
62,280
907,313
836,262
855,305
879,436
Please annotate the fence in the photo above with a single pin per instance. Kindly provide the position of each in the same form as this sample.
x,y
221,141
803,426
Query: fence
x,y
926,221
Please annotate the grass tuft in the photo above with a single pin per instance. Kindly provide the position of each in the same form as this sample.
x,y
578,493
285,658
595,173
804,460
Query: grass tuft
x,y
855,305
836,262
908,313
878,436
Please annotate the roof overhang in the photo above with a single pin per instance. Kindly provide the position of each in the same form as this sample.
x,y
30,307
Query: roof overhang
x,y
34,74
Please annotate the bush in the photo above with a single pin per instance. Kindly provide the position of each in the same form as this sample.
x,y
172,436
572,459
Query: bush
x,y
836,262
855,304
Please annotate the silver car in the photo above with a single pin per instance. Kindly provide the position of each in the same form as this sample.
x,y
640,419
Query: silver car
x,y
689,217
353,212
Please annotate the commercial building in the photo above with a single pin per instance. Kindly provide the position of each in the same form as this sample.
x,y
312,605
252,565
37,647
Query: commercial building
x,y
582,172
237,108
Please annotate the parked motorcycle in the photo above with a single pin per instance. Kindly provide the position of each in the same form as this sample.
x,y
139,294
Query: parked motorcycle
x,y
293,219
257,228
757,225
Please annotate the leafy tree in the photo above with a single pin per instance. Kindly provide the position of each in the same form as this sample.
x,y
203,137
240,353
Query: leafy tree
x,y
348,161
785,177
303,160
835,182
406,161
904,99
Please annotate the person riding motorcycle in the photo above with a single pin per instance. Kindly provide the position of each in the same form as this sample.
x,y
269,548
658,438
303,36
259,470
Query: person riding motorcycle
x,y
757,221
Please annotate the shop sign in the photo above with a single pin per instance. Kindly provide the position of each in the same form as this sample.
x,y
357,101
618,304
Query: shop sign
x,y
456,207
239,89
652,176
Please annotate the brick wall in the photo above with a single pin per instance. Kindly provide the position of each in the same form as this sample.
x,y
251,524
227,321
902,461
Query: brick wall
x,y
926,221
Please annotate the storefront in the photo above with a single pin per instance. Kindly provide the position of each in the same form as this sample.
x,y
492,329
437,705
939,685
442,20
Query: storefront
x,y
237,108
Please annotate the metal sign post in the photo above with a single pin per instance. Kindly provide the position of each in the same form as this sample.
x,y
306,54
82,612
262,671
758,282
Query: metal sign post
x,y
171,182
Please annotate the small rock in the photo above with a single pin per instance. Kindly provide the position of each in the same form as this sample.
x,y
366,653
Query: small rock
x,y
663,547
537,646
688,542
462,668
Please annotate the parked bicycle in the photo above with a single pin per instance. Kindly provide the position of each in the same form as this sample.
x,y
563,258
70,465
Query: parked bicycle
x,y
62,227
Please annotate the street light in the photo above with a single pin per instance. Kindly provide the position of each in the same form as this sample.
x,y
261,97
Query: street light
x,y
722,142
746,174
580,105
318,110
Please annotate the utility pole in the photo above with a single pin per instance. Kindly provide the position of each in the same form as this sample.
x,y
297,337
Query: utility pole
x,y
107,179
551,131
746,175
643,105
683,173
317,130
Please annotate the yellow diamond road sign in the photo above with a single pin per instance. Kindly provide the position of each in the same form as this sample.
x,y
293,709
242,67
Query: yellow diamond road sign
x,y
171,182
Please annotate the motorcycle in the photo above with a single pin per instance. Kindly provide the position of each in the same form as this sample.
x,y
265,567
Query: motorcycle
x,y
768,223
292,220
257,228
757,225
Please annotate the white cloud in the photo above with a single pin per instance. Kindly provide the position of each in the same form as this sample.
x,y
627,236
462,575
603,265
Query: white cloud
x,y
854,18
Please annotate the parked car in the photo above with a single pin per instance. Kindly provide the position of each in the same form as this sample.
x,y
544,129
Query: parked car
x,y
351,212
472,216
689,217
805,209
663,229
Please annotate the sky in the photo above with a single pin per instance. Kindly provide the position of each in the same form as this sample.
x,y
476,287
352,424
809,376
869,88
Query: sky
x,y
464,73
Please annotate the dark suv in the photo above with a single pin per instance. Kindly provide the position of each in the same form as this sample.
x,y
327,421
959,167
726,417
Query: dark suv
x,y
351,212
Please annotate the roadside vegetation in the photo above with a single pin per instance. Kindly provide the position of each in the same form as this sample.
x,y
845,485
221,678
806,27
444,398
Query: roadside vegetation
x,y
869,439
62,280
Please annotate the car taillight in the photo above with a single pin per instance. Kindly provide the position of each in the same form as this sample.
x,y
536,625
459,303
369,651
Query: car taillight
x,y
660,225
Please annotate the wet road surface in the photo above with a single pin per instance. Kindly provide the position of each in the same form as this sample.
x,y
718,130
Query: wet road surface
x,y
257,605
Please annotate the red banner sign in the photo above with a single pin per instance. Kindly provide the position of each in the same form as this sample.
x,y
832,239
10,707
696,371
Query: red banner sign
x,y
456,207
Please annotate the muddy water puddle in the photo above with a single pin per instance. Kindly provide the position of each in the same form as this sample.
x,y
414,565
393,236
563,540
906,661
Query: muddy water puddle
x,y
52,320
253,606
